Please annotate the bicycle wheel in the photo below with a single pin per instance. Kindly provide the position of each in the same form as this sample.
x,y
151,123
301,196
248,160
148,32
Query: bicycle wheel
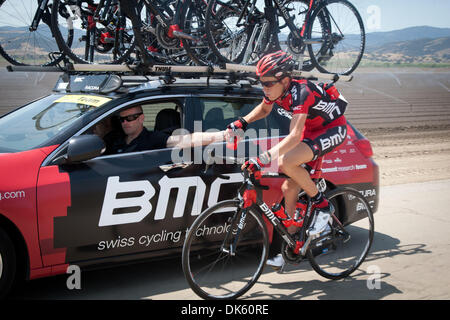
x,y
228,37
337,46
155,49
193,22
21,46
96,41
225,251
344,246
297,10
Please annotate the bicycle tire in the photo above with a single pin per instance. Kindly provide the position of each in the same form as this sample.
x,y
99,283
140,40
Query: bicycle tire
x,y
154,49
37,45
253,246
343,60
83,57
295,47
221,31
193,22
331,255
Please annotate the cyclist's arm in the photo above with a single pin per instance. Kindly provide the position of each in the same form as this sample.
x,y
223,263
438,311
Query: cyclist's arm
x,y
259,112
292,139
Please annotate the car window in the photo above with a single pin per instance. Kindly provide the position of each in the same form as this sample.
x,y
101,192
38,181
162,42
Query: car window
x,y
217,113
40,121
162,116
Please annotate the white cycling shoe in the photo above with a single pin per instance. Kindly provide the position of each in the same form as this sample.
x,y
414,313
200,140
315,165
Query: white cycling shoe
x,y
276,262
321,223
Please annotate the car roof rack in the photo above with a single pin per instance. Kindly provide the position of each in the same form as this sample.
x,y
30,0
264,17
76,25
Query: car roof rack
x,y
108,78
232,72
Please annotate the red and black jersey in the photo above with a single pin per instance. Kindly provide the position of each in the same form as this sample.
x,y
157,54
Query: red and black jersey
x,y
305,97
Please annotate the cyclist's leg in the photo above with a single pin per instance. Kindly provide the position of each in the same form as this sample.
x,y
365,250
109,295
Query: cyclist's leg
x,y
324,142
315,144
290,190
290,164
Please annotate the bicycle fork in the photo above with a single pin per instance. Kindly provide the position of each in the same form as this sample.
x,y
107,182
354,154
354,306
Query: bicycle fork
x,y
40,14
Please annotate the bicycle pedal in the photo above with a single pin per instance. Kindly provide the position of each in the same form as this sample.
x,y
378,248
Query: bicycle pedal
x,y
281,269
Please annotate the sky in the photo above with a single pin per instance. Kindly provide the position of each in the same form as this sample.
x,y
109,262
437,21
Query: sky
x,y
387,15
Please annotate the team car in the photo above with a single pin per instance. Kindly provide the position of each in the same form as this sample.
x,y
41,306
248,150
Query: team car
x,y
64,202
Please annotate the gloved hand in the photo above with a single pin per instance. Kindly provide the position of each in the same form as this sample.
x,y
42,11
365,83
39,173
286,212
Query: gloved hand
x,y
235,132
238,124
256,164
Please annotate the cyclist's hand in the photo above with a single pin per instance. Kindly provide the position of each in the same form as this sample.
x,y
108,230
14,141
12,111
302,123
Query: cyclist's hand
x,y
256,164
239,124
235,132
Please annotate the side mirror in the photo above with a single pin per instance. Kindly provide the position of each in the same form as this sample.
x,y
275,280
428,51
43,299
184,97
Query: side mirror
x,y
82,148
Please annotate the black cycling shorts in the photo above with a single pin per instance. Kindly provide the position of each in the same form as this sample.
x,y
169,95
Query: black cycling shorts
x,y
324,141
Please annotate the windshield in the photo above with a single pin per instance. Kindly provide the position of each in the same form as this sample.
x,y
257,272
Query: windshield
x,y
36,123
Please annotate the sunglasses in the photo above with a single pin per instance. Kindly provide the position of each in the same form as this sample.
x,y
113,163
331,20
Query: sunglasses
x,y
269,84
130,117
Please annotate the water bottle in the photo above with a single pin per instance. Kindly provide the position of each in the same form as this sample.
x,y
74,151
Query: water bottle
x,y
300,212
278,210
232,143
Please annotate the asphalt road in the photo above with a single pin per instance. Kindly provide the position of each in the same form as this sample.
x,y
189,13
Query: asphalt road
x,y
409,259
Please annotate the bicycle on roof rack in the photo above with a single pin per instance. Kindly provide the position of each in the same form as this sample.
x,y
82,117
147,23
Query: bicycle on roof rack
x,y
117,31
27,33
226,247
330,31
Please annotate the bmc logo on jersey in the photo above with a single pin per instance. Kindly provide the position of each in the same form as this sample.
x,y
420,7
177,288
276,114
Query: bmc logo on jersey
x,y
329,108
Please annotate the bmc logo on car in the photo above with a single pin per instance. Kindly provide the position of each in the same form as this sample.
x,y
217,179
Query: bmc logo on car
x,y
115,187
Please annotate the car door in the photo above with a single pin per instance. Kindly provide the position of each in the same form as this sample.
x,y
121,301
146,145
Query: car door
x,y
215,113
122,204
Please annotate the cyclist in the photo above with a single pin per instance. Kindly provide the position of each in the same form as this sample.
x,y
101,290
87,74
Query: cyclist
x,y
317,127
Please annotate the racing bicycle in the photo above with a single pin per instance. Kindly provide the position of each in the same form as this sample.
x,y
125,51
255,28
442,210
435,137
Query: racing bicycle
x,y
330,31
117,31
26,34
102,32
226,247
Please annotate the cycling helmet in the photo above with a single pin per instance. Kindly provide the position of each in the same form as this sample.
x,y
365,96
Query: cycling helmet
x,y
277,64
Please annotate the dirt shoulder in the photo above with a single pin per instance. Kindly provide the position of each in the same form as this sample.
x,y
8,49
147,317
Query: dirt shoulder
x,y
411,154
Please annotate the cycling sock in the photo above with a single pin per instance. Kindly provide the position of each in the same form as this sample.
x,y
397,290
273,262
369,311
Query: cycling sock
x,y
319,200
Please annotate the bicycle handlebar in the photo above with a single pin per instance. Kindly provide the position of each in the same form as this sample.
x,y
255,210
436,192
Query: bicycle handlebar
x,y
247,174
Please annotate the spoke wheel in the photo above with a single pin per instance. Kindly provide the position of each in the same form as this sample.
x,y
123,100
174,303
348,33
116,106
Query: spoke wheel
x,y
341,249
220,260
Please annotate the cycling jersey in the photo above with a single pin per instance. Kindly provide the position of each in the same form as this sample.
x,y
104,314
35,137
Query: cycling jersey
x,y
325,127
305,97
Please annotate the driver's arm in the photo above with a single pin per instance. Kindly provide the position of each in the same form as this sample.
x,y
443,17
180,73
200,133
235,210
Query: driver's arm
x,y
194,139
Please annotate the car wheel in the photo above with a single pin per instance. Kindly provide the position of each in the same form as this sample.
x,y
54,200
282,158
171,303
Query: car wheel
x,y
7,263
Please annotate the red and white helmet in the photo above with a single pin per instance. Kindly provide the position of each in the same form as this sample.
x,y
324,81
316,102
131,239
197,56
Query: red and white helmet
x,y
277,64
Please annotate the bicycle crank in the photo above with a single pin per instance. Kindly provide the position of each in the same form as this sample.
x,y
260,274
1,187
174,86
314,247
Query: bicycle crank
x,y
165,40
289,255
170,39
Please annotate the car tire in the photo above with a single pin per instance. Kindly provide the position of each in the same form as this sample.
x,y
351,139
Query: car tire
x,y
7,264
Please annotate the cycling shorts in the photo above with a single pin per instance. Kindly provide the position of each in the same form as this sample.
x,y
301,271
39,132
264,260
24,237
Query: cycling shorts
x,y
326,140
